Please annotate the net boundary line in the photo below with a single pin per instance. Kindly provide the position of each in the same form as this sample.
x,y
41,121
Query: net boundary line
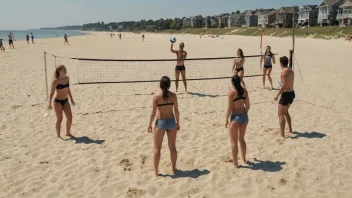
x,y
150,60
146,81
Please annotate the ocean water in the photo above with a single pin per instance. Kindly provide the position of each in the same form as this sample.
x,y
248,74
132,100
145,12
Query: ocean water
x,y
38,34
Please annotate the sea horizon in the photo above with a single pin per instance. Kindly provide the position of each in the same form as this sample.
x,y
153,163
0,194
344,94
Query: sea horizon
x,y
38,34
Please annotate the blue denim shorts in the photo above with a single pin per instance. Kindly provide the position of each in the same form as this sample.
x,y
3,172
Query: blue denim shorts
x,y
166,124
240,118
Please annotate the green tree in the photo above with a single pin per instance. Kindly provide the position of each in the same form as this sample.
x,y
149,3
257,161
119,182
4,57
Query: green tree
x,y
238,12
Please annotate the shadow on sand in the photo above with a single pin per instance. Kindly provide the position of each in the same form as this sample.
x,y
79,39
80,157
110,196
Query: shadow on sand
x,y
203,95
86,140
313,134
187,174
267,166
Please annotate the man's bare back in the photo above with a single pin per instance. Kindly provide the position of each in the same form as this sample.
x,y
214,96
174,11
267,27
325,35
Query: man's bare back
x,y
288,78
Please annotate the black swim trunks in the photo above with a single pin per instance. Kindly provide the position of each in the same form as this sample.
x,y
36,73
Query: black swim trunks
x,y
180,68
287,98
10,42
268,66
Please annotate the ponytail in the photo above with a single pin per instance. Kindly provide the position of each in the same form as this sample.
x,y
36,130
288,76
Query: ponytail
x,y
165,83
236,81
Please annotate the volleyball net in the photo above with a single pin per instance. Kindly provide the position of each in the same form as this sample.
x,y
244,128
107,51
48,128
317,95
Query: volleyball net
x,y
94,71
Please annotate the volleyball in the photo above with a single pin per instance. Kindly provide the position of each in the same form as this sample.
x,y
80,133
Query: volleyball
x,y
173,39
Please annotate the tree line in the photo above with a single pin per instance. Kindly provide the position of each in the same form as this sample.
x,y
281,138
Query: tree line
x,y
143,25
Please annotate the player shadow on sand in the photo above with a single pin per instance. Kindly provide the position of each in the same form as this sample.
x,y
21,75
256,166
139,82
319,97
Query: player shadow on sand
x,y
203,95
267,166
187,174
309,135
86,140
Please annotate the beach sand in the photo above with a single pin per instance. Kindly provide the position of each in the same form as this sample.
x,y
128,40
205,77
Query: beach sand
x,y
112,156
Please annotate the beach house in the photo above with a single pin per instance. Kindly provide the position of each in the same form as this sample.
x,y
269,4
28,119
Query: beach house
x,y
328,12
186,22
267,18
285,15
344,15
251,18
223,20
236,20
308,15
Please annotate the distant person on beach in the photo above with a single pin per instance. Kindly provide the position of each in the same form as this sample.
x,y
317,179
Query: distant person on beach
x,y
27,38
2,48
287,95
180,66
120,36
143,37
66,39
61,84
238,65
237,111
32,36
165,108
11,40
111,35
269,59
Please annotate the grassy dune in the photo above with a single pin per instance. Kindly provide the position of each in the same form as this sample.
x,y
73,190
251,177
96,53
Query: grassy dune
x,y
313,32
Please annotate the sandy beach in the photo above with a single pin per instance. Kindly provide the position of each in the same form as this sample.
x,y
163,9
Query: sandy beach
x,y
113,153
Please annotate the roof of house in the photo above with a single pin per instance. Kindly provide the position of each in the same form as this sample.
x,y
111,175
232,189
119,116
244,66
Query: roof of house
x,y
224,15
310,7
250,11
289,9
331,2
347,3
271,12
236,17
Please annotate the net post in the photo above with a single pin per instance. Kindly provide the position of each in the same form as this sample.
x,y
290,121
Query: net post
x,y
291,59
46,78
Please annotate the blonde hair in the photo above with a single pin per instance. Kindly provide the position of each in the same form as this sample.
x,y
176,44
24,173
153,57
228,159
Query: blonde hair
x,y
57,70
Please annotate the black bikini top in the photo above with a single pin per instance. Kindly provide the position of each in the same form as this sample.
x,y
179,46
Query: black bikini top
x,y
165,104
239,98
61,86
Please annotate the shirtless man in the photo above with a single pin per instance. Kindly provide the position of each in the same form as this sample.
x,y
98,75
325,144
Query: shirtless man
x,y
287,95
180,67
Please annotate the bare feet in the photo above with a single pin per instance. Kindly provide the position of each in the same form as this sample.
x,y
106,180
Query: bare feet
x,y
156,173
174,171
70,135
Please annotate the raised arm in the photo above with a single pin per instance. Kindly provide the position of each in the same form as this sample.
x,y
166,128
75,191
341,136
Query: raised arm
x,y
248,104
70,94
229,108
152,115
54,83
177,113
172,48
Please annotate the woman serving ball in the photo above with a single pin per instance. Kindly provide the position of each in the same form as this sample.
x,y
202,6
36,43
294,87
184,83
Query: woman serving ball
x,y
180,66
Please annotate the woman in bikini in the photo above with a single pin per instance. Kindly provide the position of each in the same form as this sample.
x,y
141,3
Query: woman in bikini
x,y
238,64
269,59
180,67
238,107
61,84
165,108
